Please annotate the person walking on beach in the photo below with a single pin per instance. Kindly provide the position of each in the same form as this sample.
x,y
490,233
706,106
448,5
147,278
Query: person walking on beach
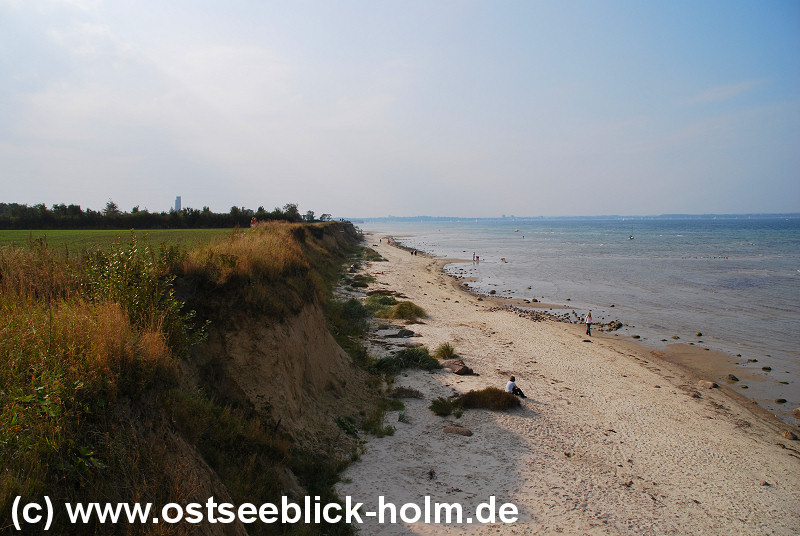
x,y
511,387
589,323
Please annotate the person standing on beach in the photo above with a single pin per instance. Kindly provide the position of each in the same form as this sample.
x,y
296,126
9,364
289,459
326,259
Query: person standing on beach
x,y
589,323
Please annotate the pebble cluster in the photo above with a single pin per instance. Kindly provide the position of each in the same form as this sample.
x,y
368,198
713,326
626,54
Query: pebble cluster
x,y
567,318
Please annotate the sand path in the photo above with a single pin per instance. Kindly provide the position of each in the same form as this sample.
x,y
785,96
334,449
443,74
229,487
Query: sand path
x,y
610,440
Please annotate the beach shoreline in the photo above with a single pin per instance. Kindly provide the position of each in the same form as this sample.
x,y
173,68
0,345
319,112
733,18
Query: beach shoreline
x,y
697,361
613,438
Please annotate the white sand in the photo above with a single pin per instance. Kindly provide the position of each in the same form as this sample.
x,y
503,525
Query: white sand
x,y
597,448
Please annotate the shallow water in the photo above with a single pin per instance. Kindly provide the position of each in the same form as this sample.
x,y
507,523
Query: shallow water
x,y
737,281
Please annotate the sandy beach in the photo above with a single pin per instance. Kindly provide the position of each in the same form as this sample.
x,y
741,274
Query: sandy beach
x,y
612,439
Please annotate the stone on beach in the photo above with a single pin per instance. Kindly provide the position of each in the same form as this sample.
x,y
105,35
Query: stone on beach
x,y
457,366
707,384
458,430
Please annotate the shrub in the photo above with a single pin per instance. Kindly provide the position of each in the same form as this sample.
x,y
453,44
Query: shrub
x,y
379,301
406,310
370,255
347,321
380,304
445,351
405,359
136,278
490,398
374,422
348,318
361,281
346,426
386,306
442,406
405,392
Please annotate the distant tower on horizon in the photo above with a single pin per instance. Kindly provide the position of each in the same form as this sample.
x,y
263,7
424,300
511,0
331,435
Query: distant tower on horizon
x,y
178,204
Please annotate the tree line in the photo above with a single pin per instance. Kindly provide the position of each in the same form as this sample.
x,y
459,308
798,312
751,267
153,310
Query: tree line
x,y
63,216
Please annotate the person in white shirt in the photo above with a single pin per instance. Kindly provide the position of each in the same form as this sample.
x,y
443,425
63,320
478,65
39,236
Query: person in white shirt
x,y
589,323
511,387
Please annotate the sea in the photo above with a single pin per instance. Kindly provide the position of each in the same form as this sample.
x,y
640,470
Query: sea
x,y
735,280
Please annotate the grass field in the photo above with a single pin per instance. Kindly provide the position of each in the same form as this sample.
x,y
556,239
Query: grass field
x,y
78,240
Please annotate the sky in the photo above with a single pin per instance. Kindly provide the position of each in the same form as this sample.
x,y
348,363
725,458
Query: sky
x,y
370,108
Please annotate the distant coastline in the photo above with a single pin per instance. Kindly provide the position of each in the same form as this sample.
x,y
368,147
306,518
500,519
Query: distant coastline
x,y
608,217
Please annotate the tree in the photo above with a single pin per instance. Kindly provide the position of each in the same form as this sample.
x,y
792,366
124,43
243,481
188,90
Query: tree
x,y
325,217
309,217
111,209
291,213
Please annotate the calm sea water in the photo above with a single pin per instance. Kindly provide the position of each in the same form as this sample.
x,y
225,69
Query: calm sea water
x,y
735,280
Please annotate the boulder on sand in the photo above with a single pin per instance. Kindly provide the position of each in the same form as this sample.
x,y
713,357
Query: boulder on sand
x,y
457,366
457,430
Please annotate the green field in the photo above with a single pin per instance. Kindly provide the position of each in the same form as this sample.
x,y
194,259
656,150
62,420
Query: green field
x,y
76,241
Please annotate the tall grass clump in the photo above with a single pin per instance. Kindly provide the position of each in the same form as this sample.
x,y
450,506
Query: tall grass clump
x,y
384,306
444,406
380,304
374,422
361,280
445,351
405,359
370,255
406,310
489,398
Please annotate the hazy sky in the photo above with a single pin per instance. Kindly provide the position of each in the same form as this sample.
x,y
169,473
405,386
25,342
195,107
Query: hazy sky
x,y
375,107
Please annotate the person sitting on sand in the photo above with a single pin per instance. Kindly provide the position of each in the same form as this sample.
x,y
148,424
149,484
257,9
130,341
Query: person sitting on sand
x,y
511,387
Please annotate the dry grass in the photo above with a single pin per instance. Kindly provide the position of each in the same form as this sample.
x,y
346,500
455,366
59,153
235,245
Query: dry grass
x,y
489,398
267,250
64,360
